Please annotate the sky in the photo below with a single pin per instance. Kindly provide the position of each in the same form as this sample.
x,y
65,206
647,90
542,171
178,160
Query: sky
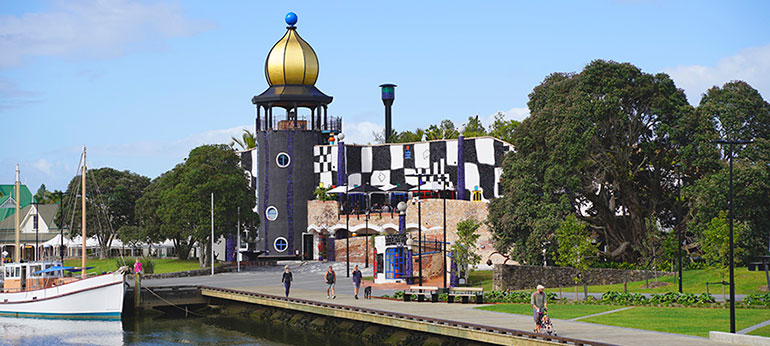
x,y
141,83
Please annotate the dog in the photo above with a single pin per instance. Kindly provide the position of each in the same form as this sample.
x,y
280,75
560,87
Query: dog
x,y
368,292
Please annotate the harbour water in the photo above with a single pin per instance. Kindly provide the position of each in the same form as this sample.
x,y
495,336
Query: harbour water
x,y
153,331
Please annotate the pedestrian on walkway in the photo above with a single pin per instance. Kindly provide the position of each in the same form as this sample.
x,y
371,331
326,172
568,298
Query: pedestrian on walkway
x,y
357,276
539,304
287,279
138,267
330,278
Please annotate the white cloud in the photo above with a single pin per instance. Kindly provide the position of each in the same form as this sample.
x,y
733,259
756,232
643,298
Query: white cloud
x,y
360,133
44,166
91,29
751,65
516,113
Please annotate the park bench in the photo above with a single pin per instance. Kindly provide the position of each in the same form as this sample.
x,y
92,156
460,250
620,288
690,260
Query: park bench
x,y
422,293
465,293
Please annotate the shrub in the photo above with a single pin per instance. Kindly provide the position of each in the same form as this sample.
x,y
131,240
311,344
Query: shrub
x,y
148,265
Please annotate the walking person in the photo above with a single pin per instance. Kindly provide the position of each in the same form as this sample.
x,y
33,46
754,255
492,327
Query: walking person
x,y
357,276
287,279
330,278
539,304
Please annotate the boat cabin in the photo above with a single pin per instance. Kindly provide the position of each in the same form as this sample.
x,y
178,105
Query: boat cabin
x,y
27,276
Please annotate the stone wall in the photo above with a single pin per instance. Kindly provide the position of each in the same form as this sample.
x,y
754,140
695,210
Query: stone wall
x,y
516,277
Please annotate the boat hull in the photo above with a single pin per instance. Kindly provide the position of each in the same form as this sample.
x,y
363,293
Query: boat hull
x,y
99,297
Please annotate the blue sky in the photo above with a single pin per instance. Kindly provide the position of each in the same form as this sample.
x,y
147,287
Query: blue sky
x,y
140,83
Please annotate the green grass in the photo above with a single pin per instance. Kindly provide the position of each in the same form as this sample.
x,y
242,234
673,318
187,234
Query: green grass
x,y
162,265
481,278
562,311
691,321
693,281
764,331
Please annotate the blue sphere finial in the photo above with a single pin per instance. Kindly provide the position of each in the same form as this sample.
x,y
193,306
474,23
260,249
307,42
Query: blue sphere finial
x,y
291,18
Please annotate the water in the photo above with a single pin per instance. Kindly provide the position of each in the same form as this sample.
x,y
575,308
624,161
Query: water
x,y
153,331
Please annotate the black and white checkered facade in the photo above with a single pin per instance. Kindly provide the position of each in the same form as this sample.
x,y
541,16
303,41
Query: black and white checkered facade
x,y
395,164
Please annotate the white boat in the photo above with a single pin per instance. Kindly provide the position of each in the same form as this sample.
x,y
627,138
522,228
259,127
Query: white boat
x,y
40,289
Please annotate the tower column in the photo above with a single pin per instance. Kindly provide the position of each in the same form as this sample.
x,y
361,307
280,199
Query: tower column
x,y
259,120
326,118
312,118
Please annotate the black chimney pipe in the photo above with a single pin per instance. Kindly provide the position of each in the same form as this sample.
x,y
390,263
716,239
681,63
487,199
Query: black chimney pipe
x,y
388,95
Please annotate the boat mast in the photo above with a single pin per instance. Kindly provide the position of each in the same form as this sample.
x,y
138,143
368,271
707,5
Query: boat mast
x,y
83,214
16,251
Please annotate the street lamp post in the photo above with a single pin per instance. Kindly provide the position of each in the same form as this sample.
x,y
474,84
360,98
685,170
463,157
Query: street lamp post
x,y
679,223
419,222
730,202
346,206
366,220
388,95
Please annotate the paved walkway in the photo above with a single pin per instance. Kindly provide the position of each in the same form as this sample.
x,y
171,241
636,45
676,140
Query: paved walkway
x,y
601,313
467,313
308,284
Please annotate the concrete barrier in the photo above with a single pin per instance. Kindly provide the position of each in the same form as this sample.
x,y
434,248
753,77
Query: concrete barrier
x,y
739,339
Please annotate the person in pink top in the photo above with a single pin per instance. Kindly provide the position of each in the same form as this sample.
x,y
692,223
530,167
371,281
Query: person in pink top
x,y
138,266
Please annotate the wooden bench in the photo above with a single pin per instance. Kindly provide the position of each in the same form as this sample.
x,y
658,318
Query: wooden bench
x,y
422,293
464,293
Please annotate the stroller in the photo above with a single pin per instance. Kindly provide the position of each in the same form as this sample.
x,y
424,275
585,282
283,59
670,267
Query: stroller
x,y
544,323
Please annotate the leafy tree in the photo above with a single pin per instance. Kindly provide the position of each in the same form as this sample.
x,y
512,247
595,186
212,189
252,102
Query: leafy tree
x,y
602,138
503,129
575,247
444,130
322,195
716,242
44,196
246,142
178,202
464,248
408,136
110,199
738,111
474,127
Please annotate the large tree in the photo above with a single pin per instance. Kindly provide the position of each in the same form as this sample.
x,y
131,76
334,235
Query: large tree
x,y
110,199
503,129
734,111
444,130
177,204
601,145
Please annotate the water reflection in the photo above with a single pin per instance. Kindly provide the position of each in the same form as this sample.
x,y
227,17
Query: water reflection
x,y
157,330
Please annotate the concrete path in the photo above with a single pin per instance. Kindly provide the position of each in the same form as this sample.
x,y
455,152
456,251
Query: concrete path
x,y
467,313
754,327
601,313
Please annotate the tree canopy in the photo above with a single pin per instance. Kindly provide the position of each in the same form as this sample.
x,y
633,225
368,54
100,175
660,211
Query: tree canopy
x,y
110,199
177,203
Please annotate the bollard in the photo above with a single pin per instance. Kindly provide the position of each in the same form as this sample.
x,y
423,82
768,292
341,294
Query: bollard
x,y
137,289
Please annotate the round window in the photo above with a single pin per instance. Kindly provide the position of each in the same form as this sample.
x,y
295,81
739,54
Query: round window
x,y
271,213
280,244
283,160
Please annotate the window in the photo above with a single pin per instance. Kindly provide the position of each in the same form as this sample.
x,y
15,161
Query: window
x,y
476,196
280,244
271,213
283,160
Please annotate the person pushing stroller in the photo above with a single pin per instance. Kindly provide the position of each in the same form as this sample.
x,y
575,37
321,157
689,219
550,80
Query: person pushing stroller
x,y
539,306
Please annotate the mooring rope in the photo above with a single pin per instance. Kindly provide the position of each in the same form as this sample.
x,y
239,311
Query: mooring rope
x,y
186,311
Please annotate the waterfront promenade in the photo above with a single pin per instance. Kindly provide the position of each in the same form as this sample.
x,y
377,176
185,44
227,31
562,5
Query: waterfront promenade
x,y
308,285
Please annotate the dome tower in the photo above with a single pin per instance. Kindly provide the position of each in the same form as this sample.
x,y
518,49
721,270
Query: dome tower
x,y
291,70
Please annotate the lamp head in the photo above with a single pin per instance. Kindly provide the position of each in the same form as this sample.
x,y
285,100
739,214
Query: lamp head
x,y
401,206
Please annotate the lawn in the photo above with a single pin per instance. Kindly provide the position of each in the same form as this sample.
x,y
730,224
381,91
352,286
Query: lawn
x,y
562,311
162,265
694,281
481,278
691,321
764,331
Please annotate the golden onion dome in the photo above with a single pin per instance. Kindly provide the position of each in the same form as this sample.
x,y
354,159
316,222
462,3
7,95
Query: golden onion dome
x,y
292,60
